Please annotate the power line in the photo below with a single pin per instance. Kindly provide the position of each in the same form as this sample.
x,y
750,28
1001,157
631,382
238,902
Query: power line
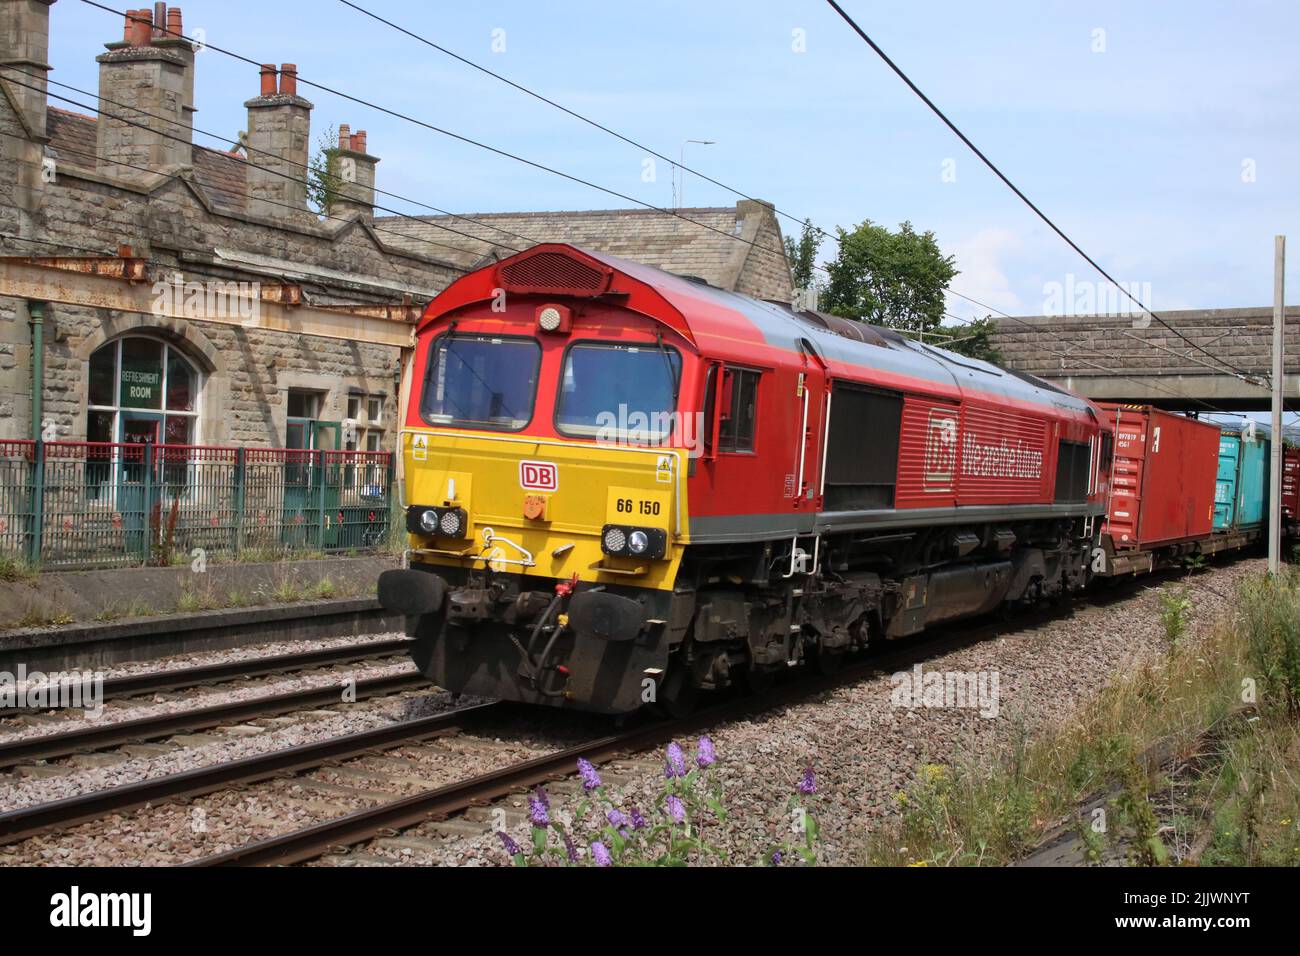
x,y
1020,194
245,162
397,114
571,112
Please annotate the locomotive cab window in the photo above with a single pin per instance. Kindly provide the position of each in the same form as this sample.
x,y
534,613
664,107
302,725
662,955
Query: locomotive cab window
x,y
481,381
739,399
618,392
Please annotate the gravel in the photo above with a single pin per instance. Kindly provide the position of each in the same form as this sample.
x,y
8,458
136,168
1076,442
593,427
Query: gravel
x,y
865,750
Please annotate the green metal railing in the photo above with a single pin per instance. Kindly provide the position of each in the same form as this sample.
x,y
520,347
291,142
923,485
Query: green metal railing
x,y
86,504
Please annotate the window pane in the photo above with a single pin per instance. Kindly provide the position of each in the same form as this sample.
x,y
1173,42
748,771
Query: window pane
x,y
739,397
141,373
181,383
99,426
302,404
482,382
179,430
618,389
354,406
295,435
372,441
373,410
103,371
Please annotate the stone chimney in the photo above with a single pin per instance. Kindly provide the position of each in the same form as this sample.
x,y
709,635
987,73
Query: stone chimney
x,y
24,50
146,89
354,168
279,131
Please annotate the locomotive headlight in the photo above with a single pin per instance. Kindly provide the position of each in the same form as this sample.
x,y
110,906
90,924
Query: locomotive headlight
x,y
624,541
549,319
440,522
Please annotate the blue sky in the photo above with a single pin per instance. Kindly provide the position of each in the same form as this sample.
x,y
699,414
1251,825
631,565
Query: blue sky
x,y
1138,149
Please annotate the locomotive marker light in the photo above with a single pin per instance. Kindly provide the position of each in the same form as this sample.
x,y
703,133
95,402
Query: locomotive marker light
x,y
556,319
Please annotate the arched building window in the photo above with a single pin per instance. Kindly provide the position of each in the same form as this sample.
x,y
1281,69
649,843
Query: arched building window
x,y
142,390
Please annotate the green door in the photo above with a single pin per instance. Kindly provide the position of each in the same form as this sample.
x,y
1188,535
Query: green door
x,y
303,519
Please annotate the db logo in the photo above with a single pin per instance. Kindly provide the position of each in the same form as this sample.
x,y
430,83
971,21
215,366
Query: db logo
x,y
940,450
538,476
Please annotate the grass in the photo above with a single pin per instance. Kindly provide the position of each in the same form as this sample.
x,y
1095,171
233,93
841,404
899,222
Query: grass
x,y
44,617
116,611
15,569
996,810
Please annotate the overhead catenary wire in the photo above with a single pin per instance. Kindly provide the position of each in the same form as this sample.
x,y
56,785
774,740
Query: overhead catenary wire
x,y
1240,373
540,166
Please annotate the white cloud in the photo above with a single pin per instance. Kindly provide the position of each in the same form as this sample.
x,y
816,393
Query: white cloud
x,y
982,274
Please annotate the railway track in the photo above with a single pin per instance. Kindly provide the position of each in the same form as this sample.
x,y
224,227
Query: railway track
x,y
151,682
396,813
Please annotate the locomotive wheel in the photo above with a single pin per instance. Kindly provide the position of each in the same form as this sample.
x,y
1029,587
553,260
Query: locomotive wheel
x,y
679,694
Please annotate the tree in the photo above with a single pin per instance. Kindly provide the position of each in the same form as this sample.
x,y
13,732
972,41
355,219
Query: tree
x,y
802,254
895,279
322,174
974,339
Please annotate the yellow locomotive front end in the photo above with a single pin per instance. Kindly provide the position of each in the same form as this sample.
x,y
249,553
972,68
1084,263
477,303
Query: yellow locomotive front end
x,y
545,500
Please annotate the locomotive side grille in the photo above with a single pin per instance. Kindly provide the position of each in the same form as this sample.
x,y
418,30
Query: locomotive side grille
x,y
554,273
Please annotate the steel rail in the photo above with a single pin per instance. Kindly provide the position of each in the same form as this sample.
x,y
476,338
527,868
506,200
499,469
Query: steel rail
x,y
361,825
311,842
129,685
100,736
27,822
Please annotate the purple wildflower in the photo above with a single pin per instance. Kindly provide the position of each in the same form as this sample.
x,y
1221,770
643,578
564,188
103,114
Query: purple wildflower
x,y
542,797
808,782
675,808
616,819
512,848
776,858
537,812
590,779
704,755
638,821
600,853
570,850
676,765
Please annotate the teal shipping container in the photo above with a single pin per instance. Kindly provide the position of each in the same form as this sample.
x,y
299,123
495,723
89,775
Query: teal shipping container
x,y
1241,489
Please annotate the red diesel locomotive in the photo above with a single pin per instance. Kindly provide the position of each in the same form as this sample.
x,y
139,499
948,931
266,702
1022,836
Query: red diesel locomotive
x,y
626,485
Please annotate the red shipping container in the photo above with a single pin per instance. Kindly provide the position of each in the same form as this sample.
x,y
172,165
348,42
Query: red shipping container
x,y
1290,485
1162,477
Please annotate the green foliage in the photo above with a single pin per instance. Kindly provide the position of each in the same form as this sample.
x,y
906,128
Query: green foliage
x,y
1174,608
1270,616
802,254
896,279
322,173
974,339
15,569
